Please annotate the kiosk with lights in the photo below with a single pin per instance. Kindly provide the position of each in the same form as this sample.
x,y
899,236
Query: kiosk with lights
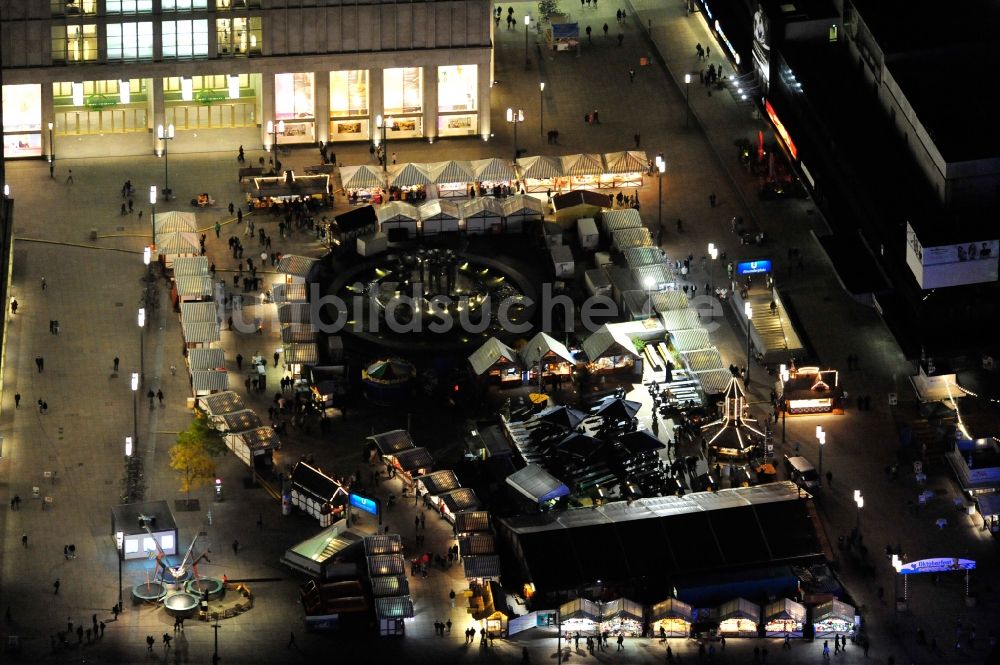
x,y
784,617
671,618
809,390
833,618
579,615
739,618
622,617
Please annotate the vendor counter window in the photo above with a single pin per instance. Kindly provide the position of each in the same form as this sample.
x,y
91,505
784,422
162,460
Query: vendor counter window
x,y
75,7
238,36
185,39
403,91
130,41
74,43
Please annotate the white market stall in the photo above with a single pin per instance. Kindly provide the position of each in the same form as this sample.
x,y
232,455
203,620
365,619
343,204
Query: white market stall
x,y
784,617
191,266
739,618
492,175
540,173
618,219
579,615
833,618
624,169
255,446
671,618
519,209
169,246
562,262
174,221
408,182
629,238
208,381
363,184
483,214
295,268
456,501
398,218
199,312
581,171
636,257
193,288
200,335
556,360
496,362
206,359
437,216
609,350
451,178
622,617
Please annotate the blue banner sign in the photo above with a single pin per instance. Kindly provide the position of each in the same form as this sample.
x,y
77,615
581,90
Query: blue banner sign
x,y
941,565
753,267
364,503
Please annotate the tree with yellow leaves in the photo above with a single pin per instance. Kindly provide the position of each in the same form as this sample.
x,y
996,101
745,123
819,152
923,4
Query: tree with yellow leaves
x,y
191,455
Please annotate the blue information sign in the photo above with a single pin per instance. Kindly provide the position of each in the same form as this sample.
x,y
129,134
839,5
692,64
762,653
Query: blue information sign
x,y
753,267
364,503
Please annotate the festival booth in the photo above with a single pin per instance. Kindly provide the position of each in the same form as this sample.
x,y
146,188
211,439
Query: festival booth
x,y
619,219
389,380
579,616
254,447
578,203
784,617
609,350
237,421
472,521
411,463
288,293
671,618
519,209
491,175
294,312
629,238
435,484
538,486
129,524
408,182
832,618
437,216
451,178
192,288
317,495
637,257
481,568
624,169
268,191
199,312
296,269
398,220
496,362
191,266
483,214
581,171
561,34
670,301
363,184
738,618
297,355
456,501
174,221
550,356
809,390
490,607
326,555
208,381
220,404
540,173
988,506
621,617
170,246
352,224
653,277
206,359
386,444
200,335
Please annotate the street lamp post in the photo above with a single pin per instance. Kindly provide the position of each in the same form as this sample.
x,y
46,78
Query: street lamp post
x,y
135,409
515,118
541,108
119,547
52,152
215,655
821,437
527,60
152,217
859,500
661,167
275,128
166,135
141,321
783,373
713,254
687,101
383,125
748,311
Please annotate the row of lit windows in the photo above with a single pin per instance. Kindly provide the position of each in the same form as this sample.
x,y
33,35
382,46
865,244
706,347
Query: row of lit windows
x,y
87,7
134,41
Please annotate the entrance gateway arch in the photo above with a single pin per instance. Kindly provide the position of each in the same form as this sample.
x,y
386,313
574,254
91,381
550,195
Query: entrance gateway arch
x,y
937,565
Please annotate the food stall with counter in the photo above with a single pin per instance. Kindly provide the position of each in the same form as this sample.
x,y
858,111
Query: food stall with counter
x,y
610,351
363,184
432,485
268,191
621,617
550,356
784,617
495,362
408,182
483,214
582,171
579,615
540,173
624,169
411,463
451,179
810,390
832,618
456,501
491,175
738,618
671,618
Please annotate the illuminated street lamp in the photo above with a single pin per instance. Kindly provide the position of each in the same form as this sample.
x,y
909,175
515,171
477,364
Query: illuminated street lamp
x,y
140,319
152,217
541,108
713,253
52,152
687,101
821,437
859,500
275,128
661,167
527,60
165,135
515,118
135,411
748,311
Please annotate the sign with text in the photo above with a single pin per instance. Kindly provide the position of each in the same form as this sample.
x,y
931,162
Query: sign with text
x,y
757,267
364,503
939,565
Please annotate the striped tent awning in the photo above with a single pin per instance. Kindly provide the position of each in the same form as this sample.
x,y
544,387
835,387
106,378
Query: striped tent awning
x,y
680,319
209,380
628,238
298,333
408,175
174,221
298,266
285,293
442,173
190,266
620,218
199,312
713,381
171,244
637,257
523,205
397,211
652,277
361,177
204,359
194,286
294,313
486,566
200,333
582,164
628,161
492,170
694,339
481,206
300,354
260,438
667,301
221,403
703,360
239,421
439,210
396,607
387,586
540,167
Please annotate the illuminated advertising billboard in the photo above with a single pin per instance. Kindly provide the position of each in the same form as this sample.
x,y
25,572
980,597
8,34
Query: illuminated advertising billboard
x,y
973,262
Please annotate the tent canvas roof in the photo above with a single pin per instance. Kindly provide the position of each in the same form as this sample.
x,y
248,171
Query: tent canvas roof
x,y
439,482
523,205
481,206
713,381
209,380
619,216
608,338
361,177
477,544
627,238
643,256
582,164
621,607
492,352
438,209
739,608
294,313
177,243
629,161
544,346
239,421
203,359
566,417
221,403
537,484
260,438
459,499
173,221
396,607
680,319
386,564
185,266
581,197
579,608
299,266
832,609
385,543
693,339
671,608
706,359
356,219
386,586
785,608
448,172
200,333
640,441
298,333
492,170
397,211
408,175
300,353
540,167
194,286
199,312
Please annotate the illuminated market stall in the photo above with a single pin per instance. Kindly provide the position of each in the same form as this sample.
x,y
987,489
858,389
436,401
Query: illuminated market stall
x,y
833,618
540,173
629,238
456,501
496,362
317,495
483,214
437,216
810,390
451,178
175,221
432,485
492,175
622,617
610,350
784,617
363,184
578,203
619,219
550,356
537,485
267,191
671,618
579,615
624,169
739,618
411,463
581,171
408,182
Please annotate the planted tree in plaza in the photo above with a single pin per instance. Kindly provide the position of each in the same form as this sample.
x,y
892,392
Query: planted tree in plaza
x,y
201,433
191,456
547,8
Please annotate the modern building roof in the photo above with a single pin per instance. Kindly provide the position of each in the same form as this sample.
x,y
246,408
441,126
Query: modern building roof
x,y
907,26
537,484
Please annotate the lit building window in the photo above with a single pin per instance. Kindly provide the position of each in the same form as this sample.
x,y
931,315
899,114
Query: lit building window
x,y
128,6
457,88
73,7
404,91
293,96
238,36
184,5
130,41
237,4
74,43
185,39
349,93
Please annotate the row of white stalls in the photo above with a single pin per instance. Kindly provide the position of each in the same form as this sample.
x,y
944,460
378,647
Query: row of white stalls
x,y
243,431
175,234
613,170
496,363
482,215
290,297
736,618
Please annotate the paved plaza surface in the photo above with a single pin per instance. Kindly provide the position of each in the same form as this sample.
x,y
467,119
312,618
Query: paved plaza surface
x,y
93,287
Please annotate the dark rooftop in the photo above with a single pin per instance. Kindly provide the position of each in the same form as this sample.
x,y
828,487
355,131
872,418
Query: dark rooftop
x,y
900,26
799,10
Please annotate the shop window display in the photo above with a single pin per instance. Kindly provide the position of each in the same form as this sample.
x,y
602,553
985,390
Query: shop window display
x,y
349,105
98,107
457,88
404,91
211,105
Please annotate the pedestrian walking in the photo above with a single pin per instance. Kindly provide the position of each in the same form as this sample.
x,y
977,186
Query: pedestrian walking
x,y
56,585
218,229
711,200
236,547
101,626
166,640
149,643
451,597
17,400
291,640
605,30
116,364
631,75
239,361
69,178
24,540
621,643
13,305
159,396
276,356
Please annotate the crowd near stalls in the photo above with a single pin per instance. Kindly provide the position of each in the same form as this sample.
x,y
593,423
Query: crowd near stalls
x,y
289,188
363,185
